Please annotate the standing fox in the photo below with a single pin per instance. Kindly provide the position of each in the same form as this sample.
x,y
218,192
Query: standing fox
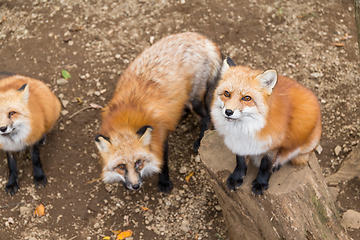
x,y
272,119
148,103
28,110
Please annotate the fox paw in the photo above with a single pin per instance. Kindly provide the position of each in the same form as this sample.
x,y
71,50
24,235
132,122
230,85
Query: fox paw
x,y
11,188
234,182
40,181
259,188
165,186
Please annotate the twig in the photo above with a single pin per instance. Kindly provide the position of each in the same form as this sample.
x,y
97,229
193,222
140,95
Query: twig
x,y
76,113
15,204
95,180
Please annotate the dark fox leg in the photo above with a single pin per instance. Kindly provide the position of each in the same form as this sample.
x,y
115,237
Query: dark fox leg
x,y
39,175
165,185
261,183
205,122
12,185
235,179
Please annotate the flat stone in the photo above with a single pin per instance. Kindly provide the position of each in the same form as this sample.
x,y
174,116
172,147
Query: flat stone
x,y
351,219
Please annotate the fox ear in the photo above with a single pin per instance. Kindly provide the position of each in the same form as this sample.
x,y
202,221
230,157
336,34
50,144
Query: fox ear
x,y
145,134
24,93
268,80
227,63
102,143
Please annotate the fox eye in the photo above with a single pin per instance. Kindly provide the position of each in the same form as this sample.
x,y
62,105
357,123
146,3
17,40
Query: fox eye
x,y
226,94
121,166
138,163
246,98
11,113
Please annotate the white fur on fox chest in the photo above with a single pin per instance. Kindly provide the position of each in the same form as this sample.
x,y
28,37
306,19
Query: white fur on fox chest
x,y
240,135
243,143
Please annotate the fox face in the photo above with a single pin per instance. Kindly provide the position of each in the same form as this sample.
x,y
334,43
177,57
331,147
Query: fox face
x,y
242,98
14,118
127,157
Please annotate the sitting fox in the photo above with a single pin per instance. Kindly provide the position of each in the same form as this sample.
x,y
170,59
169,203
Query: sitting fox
x,y
270,118
28,110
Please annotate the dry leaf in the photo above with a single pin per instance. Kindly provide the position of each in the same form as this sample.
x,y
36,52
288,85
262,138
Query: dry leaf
x,y
124,234
116,232
96,106
338,44
346,36
144,208
187,178
3,20
78,100
40,211
106,238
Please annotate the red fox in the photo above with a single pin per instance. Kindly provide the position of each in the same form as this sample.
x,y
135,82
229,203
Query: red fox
x,y
270,118
28,110
148,103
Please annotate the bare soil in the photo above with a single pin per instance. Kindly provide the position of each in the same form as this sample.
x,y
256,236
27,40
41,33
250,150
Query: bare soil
x,y
95,41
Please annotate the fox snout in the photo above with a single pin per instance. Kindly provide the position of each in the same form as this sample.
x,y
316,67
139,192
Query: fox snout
x,y
133,183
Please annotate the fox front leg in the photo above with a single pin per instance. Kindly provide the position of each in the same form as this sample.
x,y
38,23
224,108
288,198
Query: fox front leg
x,y
39,175
12,185
261,183
165,185
235,179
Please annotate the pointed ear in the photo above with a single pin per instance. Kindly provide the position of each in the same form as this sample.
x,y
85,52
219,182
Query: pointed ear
x,y
227,63
24,93
267,80
102,143
145,134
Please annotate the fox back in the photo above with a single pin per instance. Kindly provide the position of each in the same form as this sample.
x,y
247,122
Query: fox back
x,y
149,101
260,112
28,110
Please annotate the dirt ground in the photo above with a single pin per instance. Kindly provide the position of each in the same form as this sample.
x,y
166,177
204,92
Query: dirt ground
x,y
313,42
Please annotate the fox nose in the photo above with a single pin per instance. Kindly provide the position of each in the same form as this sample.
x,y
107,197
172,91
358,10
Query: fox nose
x,y
229,112
136,186
3,129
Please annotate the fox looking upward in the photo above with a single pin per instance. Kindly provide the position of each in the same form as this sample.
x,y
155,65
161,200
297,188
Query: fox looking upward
x,y
272,119
148,103
28,110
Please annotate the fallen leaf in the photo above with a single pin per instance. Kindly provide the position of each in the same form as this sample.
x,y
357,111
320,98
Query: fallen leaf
x,y
338,44
116,232
144,208
65,74
187,178
124,234
346,36
106,238
40,211
3,20
96,106
78,100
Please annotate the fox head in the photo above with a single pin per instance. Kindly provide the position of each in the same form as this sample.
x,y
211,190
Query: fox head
x,y
241,96
14,117
126,157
